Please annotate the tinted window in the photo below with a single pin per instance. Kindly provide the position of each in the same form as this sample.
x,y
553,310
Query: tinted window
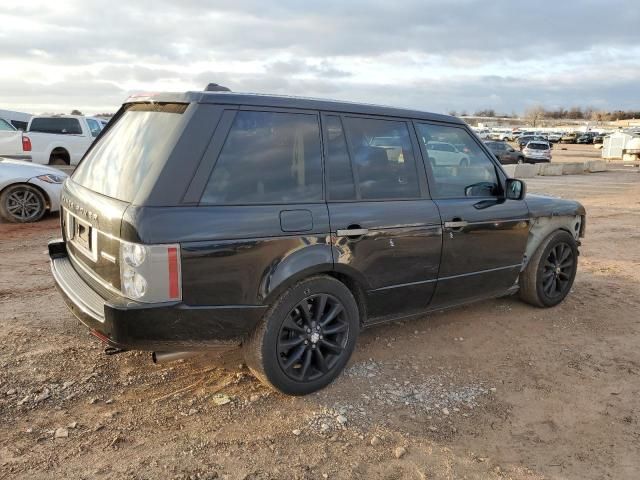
x,y
340,184
94,126
383,159
467,173
61,125
133,149
4,126
19,125
538,146
268,158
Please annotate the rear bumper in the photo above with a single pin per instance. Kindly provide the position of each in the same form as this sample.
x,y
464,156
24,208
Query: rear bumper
x,y
536,160
130,325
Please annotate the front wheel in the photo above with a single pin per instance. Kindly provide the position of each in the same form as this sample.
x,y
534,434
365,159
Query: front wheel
x,y
22,204
550,273
520,160
306,338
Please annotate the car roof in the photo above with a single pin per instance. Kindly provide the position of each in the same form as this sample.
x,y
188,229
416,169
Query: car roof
x,y
286,101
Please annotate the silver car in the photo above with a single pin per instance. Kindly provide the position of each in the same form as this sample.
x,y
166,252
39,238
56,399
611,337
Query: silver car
x,y
28,191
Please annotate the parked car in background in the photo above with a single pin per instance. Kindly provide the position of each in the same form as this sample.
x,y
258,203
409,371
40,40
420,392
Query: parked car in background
x,y
446,154
28,191
524,139
61,139
12,142
537,151
20,120
570,137
482,133
554,137
586,138
285,225
502,134
505,152
599,138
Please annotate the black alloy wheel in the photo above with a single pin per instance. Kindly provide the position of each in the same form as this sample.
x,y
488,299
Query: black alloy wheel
x,y
306,337
549,274
558,268
312,338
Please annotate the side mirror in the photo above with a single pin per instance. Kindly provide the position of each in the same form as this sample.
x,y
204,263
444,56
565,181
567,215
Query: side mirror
x,y
515,189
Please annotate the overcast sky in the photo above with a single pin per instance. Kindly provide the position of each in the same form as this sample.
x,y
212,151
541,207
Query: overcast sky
x,y
437,55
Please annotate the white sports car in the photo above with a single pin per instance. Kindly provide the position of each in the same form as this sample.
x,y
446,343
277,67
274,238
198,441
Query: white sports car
x,y
28,191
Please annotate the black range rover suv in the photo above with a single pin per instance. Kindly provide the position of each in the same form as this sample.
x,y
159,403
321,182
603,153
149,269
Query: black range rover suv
x,y
286,225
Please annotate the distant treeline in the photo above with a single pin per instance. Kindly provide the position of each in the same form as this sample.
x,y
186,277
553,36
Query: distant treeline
x,y
573,113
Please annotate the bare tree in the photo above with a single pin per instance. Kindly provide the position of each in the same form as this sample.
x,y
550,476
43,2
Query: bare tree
x,y
534,115
76,112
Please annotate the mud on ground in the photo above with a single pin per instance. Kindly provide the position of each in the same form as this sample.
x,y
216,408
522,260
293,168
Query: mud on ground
x,y
494,390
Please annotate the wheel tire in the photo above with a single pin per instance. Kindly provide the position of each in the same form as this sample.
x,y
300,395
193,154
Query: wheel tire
x,y
279,339
520,160
16,196
464,162
58,161
548,277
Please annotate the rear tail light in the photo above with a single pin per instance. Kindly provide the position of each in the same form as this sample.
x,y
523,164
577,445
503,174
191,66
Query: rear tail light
x,y
26,144
150,273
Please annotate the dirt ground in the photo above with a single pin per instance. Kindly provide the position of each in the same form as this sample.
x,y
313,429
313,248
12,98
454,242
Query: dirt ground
x,y
494,390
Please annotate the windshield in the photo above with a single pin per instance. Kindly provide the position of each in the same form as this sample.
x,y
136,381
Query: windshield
x,y
138,144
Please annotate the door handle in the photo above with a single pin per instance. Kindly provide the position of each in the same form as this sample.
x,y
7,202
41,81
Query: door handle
x,y
456,224
352,232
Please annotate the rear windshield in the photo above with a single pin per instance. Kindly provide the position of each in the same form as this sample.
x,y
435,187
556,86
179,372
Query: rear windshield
x,y
131,150
538,146
68,126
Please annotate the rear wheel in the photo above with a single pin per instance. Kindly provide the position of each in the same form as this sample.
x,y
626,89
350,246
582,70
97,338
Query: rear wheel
x,y
58,161
22,203
464,162
549,276
306,338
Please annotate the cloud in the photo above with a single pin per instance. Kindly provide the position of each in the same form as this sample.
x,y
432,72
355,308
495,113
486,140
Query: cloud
x,y
436,55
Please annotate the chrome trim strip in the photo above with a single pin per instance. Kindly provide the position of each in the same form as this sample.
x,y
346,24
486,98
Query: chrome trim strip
x,y
519,265
479,272
109,258
399,285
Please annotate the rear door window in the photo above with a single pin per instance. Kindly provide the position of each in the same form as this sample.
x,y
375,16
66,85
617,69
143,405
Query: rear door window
x,y
382,157
268,157
468,172
61,125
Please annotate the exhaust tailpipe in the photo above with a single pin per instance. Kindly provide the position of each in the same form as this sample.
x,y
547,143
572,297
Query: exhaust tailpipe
x,y
163,357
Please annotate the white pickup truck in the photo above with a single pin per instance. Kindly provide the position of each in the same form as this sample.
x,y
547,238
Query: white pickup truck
x,y
60,139
11,142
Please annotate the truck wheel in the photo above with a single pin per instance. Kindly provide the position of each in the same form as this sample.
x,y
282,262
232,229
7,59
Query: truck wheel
x,y
306,338
550,273
22,203
57,161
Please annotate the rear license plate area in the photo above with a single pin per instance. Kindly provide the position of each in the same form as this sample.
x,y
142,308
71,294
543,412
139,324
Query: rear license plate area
x,y
82,236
